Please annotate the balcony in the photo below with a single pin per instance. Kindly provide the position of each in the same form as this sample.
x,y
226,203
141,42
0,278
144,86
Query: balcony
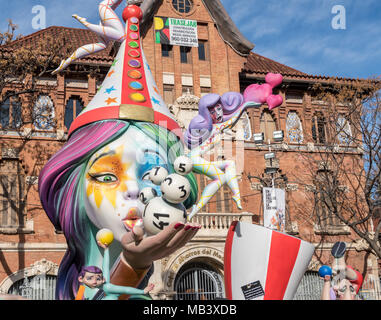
x,y
216,225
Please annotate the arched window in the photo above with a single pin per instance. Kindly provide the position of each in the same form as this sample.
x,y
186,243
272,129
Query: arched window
x,y
73,108
343,128
267,125
319,128
43,113
37,287
198,281
294,128
10,113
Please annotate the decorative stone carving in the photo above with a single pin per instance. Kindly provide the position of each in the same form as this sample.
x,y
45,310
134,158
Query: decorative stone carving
x,y
43,266
292,187
310,147
31,180
9,153
185,108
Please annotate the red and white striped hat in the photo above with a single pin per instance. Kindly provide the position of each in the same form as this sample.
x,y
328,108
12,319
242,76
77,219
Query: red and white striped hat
x,y
129,90
263,264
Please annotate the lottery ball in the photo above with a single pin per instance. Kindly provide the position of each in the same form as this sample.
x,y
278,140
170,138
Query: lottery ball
x,y
325,271
105,236
147,194
159,214
183,165
175,188
157,175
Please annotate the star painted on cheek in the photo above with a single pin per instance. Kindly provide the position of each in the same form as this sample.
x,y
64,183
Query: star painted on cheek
x,y
109,164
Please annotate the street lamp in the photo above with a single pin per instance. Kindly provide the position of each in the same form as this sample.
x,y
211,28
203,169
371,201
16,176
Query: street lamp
x,y
269,155
278,136
259,138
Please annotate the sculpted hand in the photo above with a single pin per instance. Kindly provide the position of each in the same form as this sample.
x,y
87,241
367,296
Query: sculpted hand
x,y
141,252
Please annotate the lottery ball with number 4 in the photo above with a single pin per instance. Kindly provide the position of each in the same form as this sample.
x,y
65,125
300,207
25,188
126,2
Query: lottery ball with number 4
x,y
159,213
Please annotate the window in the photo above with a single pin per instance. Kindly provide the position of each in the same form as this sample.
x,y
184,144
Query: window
x,y
37,287
43,113
267,125
319,130
198,281
325,199
186,54
10,113
187,89
73,108
203,50
205,91
169,95
294,128
166,50
12,202
343,128
182,6
294,97
310,287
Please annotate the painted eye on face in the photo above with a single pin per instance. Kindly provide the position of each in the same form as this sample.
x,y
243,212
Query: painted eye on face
x,y
105,178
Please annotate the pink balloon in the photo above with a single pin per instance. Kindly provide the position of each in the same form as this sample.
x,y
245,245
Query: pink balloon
x,y
274,79
257,93
274,101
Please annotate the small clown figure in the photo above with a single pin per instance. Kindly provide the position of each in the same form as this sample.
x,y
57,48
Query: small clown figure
x,y
95,284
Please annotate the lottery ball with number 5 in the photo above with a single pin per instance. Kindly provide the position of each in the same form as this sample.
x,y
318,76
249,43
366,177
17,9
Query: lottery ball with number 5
x,y
158,214
175,188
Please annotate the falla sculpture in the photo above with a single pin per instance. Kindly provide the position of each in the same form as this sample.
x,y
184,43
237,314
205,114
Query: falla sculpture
x,y
128,168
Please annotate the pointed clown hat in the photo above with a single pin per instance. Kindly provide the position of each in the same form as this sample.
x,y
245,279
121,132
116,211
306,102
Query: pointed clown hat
x,y
129,91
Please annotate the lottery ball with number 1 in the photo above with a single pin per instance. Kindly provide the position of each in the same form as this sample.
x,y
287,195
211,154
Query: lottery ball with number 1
x,y
158,214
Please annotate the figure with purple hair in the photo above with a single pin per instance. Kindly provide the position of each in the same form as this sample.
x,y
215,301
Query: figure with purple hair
x,y
93,182
216,114
96,285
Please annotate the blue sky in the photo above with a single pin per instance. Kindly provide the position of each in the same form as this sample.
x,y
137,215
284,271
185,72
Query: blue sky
x,y
297,33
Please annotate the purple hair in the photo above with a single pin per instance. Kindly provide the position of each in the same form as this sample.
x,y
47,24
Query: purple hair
x,y
201,125
61,196
91,269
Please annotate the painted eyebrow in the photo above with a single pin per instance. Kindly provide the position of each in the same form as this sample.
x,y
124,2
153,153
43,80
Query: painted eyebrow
x,y
148,151
101,156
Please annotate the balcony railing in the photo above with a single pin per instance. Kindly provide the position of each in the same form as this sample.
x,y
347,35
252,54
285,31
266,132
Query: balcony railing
x,y
216,225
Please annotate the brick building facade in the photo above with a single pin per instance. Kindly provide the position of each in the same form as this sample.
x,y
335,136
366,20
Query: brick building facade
x,y
30,246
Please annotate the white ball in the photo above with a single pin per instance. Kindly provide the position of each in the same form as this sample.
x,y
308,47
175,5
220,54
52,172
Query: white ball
x,y
147,194
157,175
183,165
158,214
175,188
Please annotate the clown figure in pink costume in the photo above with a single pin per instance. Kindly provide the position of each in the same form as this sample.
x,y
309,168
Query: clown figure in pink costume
x,y
216,114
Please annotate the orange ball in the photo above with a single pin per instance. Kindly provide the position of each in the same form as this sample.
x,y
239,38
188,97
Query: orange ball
x,y
132,11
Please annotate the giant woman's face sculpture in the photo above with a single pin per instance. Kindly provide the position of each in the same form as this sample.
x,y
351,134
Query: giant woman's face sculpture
x,y
114,177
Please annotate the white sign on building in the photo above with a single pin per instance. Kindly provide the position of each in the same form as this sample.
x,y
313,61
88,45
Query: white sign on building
x,y
178,32
274,208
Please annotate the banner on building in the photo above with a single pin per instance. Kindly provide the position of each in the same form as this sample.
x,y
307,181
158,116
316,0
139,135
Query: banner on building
x,y
178,32
274,208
